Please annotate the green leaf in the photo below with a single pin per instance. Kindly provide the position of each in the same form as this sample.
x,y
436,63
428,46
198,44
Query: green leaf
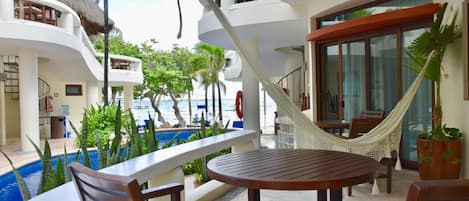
x,y
25,193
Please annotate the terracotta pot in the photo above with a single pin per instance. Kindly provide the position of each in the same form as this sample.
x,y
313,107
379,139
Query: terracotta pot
x,y
439,160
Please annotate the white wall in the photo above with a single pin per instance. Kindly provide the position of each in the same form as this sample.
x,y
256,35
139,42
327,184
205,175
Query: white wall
x,y
12,117
455,108
76,103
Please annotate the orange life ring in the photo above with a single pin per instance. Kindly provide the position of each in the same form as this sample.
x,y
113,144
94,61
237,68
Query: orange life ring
x,y
239,104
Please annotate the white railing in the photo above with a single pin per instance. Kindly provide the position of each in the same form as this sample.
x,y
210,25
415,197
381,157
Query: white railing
x,y
157,164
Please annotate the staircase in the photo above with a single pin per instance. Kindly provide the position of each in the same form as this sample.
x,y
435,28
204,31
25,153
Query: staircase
x,y
12,82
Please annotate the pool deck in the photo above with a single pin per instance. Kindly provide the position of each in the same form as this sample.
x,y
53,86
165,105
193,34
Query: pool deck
x,y
20,158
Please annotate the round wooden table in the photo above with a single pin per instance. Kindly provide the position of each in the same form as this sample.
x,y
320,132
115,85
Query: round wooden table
x,y
293,169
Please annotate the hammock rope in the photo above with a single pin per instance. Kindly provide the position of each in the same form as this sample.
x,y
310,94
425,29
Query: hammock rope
x,y
377,143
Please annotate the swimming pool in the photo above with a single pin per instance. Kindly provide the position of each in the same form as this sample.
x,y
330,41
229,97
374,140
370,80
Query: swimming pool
x,y
32,172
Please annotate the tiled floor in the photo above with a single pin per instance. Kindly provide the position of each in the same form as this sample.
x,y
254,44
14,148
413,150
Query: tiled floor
x,y
400,183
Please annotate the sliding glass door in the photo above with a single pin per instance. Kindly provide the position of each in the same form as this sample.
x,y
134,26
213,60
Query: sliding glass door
x,y
419,116
353,79
383,73
330,98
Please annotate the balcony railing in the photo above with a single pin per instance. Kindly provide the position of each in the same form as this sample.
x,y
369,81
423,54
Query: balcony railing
x,y
162,163
37,12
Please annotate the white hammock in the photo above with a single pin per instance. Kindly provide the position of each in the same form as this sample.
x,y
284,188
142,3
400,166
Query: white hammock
x,y
377,143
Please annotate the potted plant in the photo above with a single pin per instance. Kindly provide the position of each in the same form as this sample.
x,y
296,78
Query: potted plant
x,y
438,151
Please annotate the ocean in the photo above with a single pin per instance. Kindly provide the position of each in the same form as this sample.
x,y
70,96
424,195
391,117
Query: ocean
x,y
141,109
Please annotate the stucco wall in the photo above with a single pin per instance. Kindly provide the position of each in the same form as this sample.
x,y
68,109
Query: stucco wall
x,y
76,103
12,116
455,108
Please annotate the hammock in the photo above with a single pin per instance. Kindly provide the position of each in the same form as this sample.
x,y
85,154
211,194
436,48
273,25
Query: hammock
x,y
377,143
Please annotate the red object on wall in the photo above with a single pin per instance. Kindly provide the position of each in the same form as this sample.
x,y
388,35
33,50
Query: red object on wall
x,y
239,104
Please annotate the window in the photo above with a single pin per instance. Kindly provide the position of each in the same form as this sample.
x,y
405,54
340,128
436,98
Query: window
x,y
73,90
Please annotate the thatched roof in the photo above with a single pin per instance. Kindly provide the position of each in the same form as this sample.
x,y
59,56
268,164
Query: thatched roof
x,y
92,17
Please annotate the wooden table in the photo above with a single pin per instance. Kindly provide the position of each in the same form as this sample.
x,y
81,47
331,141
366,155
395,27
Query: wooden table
x,y
293,169
333,125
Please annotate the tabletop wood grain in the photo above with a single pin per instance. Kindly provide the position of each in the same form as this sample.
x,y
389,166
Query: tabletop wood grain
x,y
293,169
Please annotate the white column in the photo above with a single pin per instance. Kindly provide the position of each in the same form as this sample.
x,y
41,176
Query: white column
x,y
226,3
92,93
66,22
128,96
29,108
251,107
3,132
7,9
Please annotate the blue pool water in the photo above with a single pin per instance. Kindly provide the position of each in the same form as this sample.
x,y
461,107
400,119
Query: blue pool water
x,y
32,172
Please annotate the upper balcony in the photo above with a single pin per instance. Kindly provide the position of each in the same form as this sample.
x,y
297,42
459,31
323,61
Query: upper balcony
x,y
55,32
273,23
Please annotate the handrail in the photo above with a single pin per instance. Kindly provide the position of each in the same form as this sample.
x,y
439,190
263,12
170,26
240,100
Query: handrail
x,y
149,166
43,85
289,73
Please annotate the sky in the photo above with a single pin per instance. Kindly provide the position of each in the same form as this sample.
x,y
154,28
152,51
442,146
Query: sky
x,y
141,20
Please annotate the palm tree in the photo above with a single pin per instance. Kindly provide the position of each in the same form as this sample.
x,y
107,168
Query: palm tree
x,y
436,40
215,57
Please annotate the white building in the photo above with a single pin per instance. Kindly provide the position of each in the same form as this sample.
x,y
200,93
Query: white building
x,y
51,68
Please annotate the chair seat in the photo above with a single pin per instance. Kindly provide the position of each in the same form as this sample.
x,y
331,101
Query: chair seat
x,y
94,185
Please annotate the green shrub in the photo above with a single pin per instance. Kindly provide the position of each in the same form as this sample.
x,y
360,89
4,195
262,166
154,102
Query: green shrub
x,y
101,121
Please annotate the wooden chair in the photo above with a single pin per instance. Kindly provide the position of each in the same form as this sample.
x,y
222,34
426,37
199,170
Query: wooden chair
x,y
94,186
439,190
372,114
358,126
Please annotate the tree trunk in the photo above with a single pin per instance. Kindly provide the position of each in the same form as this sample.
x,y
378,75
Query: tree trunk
x,y
219,105
206,101
177,112
155,101
189,103
114,95
213,101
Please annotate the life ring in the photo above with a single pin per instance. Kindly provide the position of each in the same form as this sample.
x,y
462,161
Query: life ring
x,y
239,104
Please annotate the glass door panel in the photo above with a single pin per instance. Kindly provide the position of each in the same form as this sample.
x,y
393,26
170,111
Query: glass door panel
x,y
383,65
353,79
419,116
331,97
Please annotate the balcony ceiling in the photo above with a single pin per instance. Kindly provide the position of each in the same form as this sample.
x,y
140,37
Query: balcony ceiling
x,y
63,62
274,26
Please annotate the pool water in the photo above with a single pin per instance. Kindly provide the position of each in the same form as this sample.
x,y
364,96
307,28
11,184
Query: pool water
x,y
31,172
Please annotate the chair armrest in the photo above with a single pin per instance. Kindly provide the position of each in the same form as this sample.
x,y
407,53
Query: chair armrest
x,y
166,189
439,190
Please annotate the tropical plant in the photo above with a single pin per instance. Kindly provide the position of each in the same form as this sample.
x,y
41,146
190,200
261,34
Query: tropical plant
x,y
431,46
100,120
209,75
165,75
182,58
199,166
438,151
108,154
24,191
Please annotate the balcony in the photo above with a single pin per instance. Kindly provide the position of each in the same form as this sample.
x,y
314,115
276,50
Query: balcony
x,y
274,23
37,12
31,24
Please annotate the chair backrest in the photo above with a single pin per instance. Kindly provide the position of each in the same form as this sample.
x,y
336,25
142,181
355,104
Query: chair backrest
x,y
372,114
439,190
362,125
94,186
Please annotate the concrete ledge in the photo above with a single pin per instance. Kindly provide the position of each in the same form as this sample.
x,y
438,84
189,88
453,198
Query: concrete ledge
x,y
208,191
